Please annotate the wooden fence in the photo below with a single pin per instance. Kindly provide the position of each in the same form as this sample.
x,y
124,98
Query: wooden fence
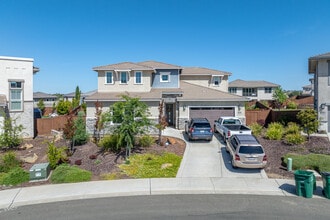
x,y
44,126
264,117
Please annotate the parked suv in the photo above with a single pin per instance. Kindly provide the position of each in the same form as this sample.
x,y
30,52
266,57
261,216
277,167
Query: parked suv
x,y
199,129
246,151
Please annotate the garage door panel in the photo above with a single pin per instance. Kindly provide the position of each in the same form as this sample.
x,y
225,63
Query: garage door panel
x,y
210,113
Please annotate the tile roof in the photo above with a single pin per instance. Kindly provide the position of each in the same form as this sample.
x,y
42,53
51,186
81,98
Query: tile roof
x,y
251,84
202,71
159,65
190,92
122,66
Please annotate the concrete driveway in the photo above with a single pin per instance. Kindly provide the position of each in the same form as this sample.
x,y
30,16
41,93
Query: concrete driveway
x,y
209,159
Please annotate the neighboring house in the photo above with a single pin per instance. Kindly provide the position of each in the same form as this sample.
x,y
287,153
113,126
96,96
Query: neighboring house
x,y
48,99
16,91
187,92
307,90
70,96
253,90
320,67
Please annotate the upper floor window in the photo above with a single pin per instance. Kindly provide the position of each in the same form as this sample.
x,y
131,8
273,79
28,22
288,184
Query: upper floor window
x,y
249,92
165,77
123,77
216,80
16,95
109,78
233,90
138,77
268,90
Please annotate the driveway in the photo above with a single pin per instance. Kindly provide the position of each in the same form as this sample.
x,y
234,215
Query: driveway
x,y
209,159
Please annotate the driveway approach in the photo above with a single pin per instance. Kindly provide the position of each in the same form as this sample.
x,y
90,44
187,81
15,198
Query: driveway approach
x,y
209,159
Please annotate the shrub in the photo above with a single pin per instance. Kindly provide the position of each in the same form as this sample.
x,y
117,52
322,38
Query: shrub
x,y
256,129
70,174
294,138
292,105
292,128
275,131
80,135
110,143
9,161
10,135
55,155
146,141
63,107
14,177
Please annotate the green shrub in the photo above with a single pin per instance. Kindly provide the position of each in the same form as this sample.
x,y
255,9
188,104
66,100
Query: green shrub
x,y
275,131
55,155
294,138
318,162
63,107
10,135
146,141
80,134
292,105
110,143
256,129
70,174
292,128
9,161
14,177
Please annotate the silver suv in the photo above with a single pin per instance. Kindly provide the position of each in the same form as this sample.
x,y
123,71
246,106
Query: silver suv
x,y
246,151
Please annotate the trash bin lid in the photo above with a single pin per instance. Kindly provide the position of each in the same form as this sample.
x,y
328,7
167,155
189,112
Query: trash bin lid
x,y
325,173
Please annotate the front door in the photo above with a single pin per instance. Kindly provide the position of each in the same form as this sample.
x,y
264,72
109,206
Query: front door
x,y
169,114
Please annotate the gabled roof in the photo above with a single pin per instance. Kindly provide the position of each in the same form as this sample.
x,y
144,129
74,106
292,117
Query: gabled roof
x,y
159,65
251,84
312,61
122,66
202,71
42,95
190,92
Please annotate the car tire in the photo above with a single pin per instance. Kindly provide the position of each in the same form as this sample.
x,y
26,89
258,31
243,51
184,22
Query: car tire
x,y
232,164
224,138
215,130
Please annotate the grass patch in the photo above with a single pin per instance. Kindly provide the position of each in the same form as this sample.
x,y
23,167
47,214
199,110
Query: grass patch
x,y
152,166
14,177
318,162
70,174
111,176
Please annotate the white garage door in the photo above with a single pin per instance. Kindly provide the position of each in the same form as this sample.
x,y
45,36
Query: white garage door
x,y
211,113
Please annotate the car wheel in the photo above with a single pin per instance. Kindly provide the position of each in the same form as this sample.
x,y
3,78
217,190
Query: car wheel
x,y
224,138
227,150
232,164
215,130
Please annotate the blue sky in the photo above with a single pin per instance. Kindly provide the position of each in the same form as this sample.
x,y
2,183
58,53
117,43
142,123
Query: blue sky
x,y
267,40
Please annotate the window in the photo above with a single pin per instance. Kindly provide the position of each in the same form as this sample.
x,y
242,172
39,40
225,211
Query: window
x,y
165,77
268,90
216,80
108,78
249,92
138,78
123,78
233,90
16,96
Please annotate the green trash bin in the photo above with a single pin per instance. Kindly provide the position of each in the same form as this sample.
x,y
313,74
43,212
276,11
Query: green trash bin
x,y
305,183
326,184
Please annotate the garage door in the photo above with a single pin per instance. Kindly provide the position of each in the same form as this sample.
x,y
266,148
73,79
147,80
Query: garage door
x,y
211,113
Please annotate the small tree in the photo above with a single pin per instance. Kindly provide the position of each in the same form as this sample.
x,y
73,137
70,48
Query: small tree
x,y
309,121
69,130
63,107
98,126
41,106
10,136
279,96
162,123
132,116
76,99
80,135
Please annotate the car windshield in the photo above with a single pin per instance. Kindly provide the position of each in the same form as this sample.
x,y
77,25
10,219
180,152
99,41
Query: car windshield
x,y
202,125
231,122
251,150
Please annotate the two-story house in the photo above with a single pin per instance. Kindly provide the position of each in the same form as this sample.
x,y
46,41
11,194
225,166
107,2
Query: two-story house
x,y
319,66
253,90
16,91
187,91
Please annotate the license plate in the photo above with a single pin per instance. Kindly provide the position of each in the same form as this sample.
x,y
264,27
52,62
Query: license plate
x,y
252,159
202,131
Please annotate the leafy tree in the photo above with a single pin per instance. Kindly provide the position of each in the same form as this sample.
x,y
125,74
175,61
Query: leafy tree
x,y
132,116
80,135
41,105
98,126
63,107
76,99
162,123
279,96
69,130
10,136
309,121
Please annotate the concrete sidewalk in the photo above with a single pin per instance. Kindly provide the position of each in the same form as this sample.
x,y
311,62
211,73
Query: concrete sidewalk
x,y
160,186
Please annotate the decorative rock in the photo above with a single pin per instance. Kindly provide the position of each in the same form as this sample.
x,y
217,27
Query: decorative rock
x,y
31,159
166,165
78,162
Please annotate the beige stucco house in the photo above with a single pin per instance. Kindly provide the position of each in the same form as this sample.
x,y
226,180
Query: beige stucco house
x,y
187,91
253,90
319,66
16,91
